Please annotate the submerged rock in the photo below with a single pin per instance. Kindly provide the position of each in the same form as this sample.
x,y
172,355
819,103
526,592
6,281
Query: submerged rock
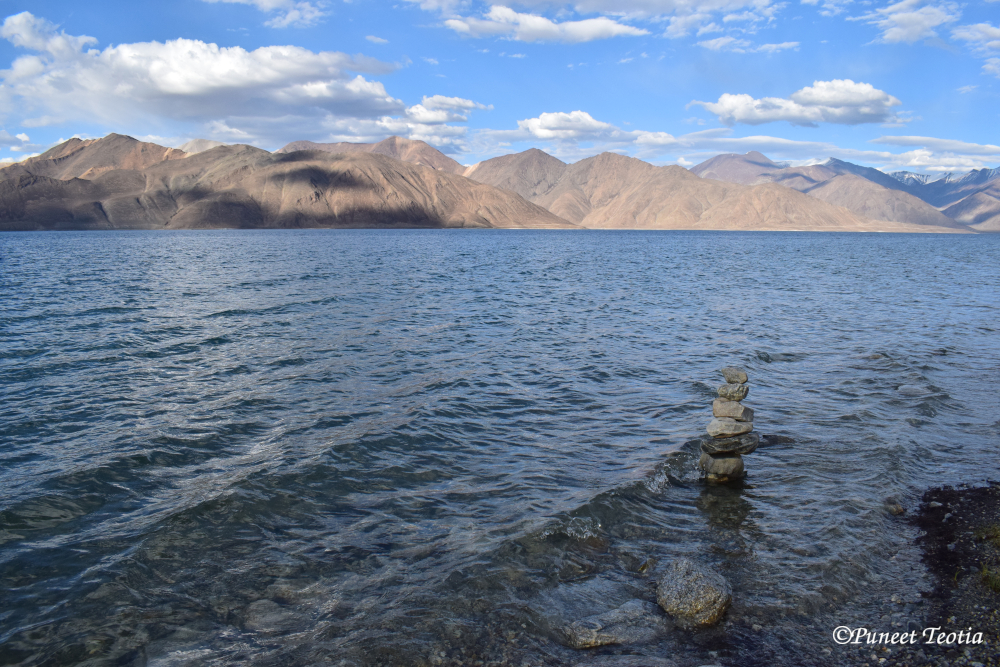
x,y
635,622
734,375
732,409
268,617
743,444
725,465
734,392
694,595
728,428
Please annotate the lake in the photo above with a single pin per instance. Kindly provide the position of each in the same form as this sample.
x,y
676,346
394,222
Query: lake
x,y
441,447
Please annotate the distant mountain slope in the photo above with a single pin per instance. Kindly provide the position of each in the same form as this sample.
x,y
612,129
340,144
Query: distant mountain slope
x,y
976,176
199,146
407,150
980,210
529,174
614,191
871,200
866,192
245,187
78,158
734,168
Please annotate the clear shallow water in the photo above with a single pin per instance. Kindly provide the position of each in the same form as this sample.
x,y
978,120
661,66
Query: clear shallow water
x,y
440,447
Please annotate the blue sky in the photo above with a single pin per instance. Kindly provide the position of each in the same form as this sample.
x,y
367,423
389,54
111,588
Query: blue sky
x,y
912,85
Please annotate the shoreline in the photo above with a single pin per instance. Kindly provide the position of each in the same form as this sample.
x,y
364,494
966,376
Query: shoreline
x,y
959,535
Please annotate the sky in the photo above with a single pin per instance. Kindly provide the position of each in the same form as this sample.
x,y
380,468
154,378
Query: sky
x,y
911,85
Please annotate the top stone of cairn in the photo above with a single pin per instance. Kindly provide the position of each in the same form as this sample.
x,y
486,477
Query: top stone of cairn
x,y
734,375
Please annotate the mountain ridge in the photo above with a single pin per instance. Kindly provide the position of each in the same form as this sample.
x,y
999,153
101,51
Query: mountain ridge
x,y
118,181
241,186
406,150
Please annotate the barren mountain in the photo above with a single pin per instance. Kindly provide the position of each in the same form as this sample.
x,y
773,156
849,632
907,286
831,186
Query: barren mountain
x,y
871,200
980,210
245,187
772,207
529,174
407,150
78,158
614,191
734,168
868,193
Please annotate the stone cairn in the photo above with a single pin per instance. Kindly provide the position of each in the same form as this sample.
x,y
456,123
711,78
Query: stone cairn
x,y
729,432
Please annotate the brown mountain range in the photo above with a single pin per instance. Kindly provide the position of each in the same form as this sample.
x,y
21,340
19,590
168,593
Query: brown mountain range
x,y
118,182
79,158
869,192
407,150
92,185
614,191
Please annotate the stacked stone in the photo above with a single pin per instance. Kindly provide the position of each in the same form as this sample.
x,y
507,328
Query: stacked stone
x,y
730,432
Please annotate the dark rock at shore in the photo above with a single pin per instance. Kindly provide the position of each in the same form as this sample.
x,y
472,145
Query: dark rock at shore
x,y
960,553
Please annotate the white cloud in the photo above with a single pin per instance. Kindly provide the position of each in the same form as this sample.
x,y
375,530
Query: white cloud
x,y
505,22
179,80
442,102
966,89
285,13
941,145
725,44
376,40
220,130
839,101
983,37
984,40
910,20
829,7
743,46
574,126
8,141
680,26
775,48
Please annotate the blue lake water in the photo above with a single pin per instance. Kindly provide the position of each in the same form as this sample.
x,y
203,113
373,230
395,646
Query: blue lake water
x,y
440,447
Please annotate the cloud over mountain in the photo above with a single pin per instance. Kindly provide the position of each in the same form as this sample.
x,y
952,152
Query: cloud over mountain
x,y
840,101
181,78
231,93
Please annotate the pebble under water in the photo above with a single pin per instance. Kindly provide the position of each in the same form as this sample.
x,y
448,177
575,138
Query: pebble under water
x,y
442,447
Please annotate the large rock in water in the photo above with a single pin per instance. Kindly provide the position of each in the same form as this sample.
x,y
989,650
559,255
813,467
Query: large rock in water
x,y
743,444
734,392
635,622
694,595
725,465
731,409
734,375
725,427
